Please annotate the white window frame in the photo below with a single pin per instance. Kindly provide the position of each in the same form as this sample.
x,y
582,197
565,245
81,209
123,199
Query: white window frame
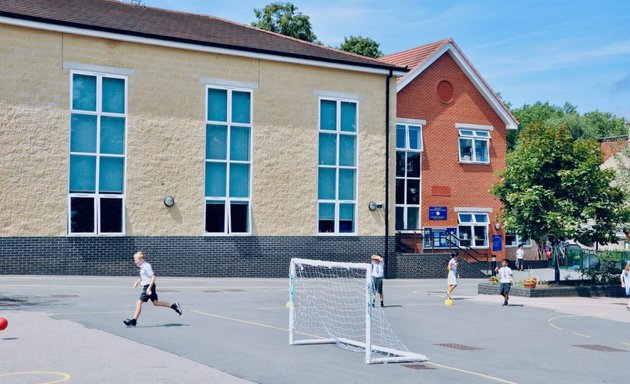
x,y
97,196
473,133
406,123
227,199
472,224
338,132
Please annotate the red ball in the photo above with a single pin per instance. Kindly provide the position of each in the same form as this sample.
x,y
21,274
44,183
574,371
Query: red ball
x,y
3,323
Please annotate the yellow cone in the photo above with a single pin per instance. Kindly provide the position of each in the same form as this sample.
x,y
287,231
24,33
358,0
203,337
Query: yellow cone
x,y
448,301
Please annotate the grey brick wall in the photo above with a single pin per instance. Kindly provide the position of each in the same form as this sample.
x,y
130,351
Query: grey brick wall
x,y
200,256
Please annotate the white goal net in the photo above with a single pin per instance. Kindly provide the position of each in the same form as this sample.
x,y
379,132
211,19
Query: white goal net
x,y
331,302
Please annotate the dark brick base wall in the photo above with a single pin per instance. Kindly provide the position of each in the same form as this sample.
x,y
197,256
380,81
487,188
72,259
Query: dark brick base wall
x,y
199,256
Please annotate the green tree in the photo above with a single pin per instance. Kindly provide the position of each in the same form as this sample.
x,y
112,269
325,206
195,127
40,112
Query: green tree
x,y
554,189
591,125
283,18
361,46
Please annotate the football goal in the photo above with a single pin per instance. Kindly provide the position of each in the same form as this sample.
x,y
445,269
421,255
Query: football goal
x,y
331,302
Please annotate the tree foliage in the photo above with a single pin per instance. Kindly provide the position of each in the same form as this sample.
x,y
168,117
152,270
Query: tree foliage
x,y
361,46
283,18
553,188
591,125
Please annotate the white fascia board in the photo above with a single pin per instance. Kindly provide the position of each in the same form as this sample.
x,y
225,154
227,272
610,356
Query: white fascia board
x,y
472,75
474,126
472,209
191,47
411,121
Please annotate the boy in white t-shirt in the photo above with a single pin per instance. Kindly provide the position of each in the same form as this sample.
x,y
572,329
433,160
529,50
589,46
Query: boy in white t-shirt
x,y
504,274
377,276
625,282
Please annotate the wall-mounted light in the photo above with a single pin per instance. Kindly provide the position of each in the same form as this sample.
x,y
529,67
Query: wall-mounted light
x,y
373,205
169,201
497,226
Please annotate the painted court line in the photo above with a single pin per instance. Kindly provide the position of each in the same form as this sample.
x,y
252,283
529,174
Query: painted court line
x,y
64,376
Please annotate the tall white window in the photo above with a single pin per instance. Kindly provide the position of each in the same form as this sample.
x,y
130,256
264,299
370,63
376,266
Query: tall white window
x,y
474,146
337,166
98,120
473,229
228,161
408,176
512,241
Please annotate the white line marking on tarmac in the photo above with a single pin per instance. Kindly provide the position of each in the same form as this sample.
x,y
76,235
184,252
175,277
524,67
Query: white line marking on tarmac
x,y
64,376
471,373
580,334
286,330
87,313
550,321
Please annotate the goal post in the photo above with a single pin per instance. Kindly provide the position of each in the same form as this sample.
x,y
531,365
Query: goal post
x,y
331,302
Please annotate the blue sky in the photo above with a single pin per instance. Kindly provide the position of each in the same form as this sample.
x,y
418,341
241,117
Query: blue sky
x,y
557,51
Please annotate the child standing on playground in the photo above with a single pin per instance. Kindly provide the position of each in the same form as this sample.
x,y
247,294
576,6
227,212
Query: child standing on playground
x,y
506,280
625,282
453,276
149,290
377,276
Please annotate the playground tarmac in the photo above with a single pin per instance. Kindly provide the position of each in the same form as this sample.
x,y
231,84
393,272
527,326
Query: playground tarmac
x,y
68,329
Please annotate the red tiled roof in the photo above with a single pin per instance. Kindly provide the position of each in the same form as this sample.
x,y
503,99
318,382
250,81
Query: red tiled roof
x,y
612,146
412,58
123,18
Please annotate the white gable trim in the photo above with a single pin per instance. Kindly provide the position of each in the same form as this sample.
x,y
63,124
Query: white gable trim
x,y
488,95
192,47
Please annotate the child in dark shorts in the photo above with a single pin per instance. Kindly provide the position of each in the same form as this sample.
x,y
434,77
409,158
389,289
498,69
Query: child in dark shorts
x,y
505,278
149,290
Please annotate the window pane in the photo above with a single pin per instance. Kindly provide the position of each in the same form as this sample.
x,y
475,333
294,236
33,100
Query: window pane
x,y
415,138
346,218
413,192
81,215
113,95
217,105
111,215
463,132
326,183
465,218
239,180
347,150
465,149
327,149
465,235
482,134
215,216
326,218
400,218
215,179
400,164
216,142
240,107
413,164
113,135
510,240
328,115
239,143
346,184
239,217
400,191
413,218
400,136
481,236
111,174
481,150
84,92
83,133
348,117
82,173
481,218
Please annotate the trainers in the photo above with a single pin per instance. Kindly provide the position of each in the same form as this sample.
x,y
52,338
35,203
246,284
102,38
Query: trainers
x,y
130,322
177,308
505,303
382,305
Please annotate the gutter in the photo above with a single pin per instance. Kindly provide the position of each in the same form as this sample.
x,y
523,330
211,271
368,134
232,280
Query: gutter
x,y
387,91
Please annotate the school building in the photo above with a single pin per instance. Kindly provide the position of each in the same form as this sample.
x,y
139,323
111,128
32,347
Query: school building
x,y
224,150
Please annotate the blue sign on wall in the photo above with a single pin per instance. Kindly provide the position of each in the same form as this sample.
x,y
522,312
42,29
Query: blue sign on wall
x,y
497,242
437,213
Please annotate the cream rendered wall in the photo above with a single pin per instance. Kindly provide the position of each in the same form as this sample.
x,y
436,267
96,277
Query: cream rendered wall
x,y
166,135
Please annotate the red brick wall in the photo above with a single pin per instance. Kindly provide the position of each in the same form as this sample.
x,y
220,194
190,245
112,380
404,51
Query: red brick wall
x,y
470,184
